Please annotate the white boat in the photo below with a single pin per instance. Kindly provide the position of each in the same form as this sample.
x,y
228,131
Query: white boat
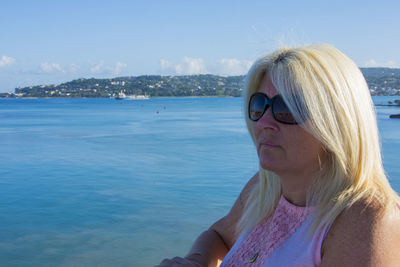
x,y
122,96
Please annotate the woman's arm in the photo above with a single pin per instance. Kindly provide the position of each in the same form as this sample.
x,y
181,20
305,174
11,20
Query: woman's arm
x,y
212,245
209,249
363,236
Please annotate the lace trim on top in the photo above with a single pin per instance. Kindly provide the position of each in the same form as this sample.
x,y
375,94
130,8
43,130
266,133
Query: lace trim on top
x,y
269,234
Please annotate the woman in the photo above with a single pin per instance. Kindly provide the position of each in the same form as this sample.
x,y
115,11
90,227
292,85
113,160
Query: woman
x,y
321,197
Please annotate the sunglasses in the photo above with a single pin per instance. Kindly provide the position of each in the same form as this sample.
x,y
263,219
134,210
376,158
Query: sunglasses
x,y
259,103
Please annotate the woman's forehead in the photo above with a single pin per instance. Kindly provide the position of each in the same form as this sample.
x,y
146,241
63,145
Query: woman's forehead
x,y
267,87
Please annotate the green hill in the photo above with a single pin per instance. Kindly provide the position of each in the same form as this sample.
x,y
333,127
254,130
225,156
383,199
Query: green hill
x,y
381,81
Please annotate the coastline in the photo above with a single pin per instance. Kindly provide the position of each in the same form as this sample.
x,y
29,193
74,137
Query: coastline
x,y
386,105
114,98
164,97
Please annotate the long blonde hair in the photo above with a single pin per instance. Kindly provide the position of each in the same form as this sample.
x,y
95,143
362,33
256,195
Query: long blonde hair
x,y
326,90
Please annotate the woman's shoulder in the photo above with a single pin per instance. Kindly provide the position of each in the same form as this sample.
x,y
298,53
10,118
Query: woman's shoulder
x,y
249,187
365,234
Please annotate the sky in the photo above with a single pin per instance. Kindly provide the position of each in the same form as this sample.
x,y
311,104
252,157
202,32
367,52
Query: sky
x,y
50,42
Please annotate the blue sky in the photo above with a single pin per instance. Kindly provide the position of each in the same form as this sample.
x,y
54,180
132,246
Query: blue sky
x,y
44,42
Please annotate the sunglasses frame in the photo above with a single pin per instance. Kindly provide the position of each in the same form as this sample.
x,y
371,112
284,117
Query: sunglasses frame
x,y
269,103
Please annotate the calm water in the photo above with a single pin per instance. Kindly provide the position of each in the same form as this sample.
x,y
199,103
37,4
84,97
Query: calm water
x,y
97,182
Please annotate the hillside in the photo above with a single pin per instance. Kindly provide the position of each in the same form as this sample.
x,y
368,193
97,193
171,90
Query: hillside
x,y
381,81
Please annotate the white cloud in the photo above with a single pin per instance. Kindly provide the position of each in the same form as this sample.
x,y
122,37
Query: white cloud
x,y
373,63
102,69
5,60
73,68
97,68
191,66
47,67
233,66
165,64
118,67
187,66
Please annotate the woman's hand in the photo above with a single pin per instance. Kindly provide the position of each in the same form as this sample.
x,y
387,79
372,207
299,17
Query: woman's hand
x,y
178,261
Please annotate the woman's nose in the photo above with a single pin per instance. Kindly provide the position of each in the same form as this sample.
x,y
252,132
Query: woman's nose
x,y
267,121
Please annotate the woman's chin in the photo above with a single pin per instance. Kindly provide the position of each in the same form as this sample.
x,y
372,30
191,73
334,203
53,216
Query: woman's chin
x,y
269,166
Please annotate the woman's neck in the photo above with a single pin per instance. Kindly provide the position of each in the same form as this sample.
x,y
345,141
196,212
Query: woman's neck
x,y
297,197
295,187
295,184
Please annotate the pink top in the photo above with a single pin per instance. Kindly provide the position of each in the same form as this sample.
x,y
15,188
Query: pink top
x,y
280,240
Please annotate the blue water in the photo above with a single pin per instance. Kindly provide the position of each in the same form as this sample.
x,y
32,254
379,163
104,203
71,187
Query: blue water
x,y
98,182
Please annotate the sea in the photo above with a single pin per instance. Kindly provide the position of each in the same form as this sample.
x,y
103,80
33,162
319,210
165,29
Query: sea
x,y
101,182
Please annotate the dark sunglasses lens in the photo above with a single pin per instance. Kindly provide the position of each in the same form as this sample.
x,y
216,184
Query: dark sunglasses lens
x,y
282,112
256,106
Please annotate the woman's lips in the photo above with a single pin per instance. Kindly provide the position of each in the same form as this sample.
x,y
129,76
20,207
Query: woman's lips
x,y
268,145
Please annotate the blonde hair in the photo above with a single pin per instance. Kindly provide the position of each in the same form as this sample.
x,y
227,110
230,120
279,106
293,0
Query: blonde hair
x,y
326,90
